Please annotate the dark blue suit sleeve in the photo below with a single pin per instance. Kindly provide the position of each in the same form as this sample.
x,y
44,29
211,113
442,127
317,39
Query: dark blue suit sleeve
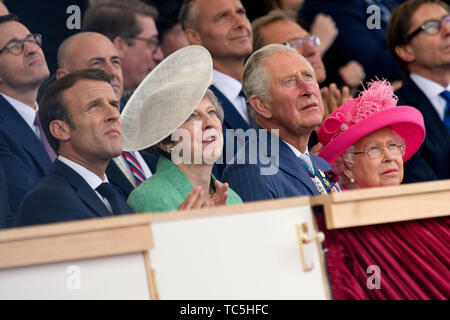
x,y
19,178
248,183
417,169
4,201
444,172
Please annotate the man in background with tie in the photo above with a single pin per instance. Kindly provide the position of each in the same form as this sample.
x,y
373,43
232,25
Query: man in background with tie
x,y
94,50
285,98
25,155
80,114
419,37
222,27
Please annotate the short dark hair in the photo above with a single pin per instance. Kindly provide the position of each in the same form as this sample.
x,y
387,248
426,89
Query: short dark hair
x,y
8,18
117,18
399,25
261,22
52,105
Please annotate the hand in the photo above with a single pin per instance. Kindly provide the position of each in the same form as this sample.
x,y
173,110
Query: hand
x,y
194,200
332,98
352,73
324,27
219,198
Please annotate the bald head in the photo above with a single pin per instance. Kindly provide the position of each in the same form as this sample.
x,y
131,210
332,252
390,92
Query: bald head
x,y
3,9
90,50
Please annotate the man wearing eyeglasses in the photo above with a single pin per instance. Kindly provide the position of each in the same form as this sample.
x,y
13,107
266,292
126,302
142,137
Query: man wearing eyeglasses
x,y
222,27
419,37
94,50
25,154
130,25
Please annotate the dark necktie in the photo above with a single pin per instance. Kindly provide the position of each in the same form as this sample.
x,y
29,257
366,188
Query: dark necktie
x,y
113,197
51,153
135,167
446,95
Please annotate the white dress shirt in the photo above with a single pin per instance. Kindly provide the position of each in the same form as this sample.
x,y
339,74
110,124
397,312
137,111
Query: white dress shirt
x,y
432,91
231,88
91,178
26,112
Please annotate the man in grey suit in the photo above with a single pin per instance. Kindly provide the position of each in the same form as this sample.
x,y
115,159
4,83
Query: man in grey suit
x,y
284,95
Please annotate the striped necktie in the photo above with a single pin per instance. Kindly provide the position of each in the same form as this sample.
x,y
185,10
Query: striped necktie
x,y
446,95
135,167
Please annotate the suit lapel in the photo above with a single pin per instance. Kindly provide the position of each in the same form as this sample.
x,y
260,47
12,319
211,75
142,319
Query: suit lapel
x,y
434,125
12,122
86,193
233,119
118,178
291,165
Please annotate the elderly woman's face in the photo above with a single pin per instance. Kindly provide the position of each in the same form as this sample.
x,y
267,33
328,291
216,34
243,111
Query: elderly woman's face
x,y
378,160
202,134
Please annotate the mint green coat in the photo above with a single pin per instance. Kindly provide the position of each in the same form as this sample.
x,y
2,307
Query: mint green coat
x,y
166,190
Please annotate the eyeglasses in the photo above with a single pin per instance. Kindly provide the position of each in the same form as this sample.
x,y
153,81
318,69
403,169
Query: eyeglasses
x,y
298,43
375,151
15,46
430,27
152,43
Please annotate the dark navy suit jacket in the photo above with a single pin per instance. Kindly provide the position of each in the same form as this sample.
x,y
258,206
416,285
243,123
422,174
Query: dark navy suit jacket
x,y
120,181
288,179
22,156
233,120
445,163
4,202
63,195
424,165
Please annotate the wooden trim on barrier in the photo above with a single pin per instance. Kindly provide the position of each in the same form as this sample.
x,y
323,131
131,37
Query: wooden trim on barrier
x,y
92,238
74,246
385,205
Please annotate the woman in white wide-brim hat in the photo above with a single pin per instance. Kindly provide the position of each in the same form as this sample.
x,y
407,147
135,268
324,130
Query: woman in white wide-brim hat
x,y
175,114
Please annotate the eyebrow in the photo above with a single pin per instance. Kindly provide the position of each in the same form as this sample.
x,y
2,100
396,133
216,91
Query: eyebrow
x,y
16,39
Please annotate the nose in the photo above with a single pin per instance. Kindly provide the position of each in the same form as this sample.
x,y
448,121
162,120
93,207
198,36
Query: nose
x,y
158,56
308,49
113,113
445,28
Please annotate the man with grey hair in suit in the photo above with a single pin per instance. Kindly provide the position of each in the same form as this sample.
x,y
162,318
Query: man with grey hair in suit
x,y
285,98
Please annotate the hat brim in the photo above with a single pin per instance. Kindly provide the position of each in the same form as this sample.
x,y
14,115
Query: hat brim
x,y
166,97
406,121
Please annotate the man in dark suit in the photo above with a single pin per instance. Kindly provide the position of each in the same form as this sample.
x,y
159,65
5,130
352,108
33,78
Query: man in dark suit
x,y
25,155
286,101
81,117
419,38
94,50
4,202
223,28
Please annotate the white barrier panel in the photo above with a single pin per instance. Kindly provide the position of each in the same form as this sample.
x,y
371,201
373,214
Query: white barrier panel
x,y
253,255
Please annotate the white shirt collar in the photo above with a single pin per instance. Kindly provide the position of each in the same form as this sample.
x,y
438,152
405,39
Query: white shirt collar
x,y
295,150
430,88
231,88
91,178
26,112
432,91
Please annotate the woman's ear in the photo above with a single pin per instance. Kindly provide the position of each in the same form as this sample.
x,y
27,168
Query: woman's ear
x,y
168,148
348,173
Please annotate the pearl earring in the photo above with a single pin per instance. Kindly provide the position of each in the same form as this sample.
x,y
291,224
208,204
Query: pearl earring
x,y
352,180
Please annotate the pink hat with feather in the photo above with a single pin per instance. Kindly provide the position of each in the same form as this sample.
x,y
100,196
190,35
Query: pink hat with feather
x,y
374,108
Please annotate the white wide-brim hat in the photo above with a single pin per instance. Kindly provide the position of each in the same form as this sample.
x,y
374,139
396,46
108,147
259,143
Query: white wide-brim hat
x,y
166,97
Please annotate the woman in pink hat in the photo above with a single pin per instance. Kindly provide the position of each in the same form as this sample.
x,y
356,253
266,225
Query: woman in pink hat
x,y
368,139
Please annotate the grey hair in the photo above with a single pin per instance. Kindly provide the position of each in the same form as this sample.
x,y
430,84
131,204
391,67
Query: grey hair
x,y
188,15
256,78
347,159
156,150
